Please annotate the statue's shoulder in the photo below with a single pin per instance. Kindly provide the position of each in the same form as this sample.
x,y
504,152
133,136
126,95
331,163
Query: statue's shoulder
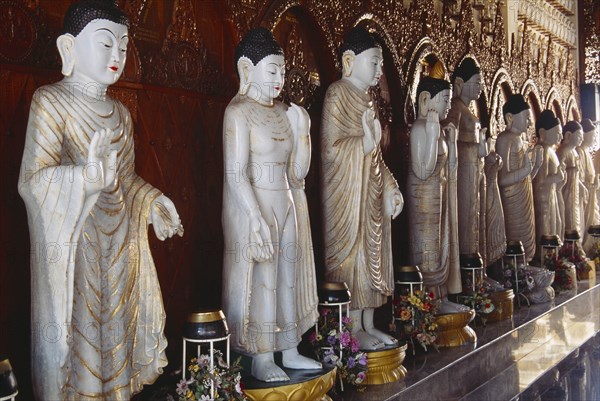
x,y
236,105
49,94
339,86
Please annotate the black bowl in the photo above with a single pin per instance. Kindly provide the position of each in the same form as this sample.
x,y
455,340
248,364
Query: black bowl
x,y
8,381
205,325
472,260
333,292
514,248
550,241
572,235
594,231
408,274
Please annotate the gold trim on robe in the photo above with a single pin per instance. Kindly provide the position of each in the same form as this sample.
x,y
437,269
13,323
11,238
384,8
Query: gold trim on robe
x,y
97,313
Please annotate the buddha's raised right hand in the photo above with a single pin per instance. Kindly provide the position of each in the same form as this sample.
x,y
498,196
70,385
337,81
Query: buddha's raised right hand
x,y
372,129
101,169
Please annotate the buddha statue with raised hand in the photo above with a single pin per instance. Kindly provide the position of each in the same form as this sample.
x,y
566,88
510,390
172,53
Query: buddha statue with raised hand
x,y
520,165
97,296
360,196
269,285
432,193
573,191
590,213
471,149
549,180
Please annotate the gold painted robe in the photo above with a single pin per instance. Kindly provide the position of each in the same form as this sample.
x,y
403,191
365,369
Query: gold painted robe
x,y
357,235
471,180
97,314
433,221
517,203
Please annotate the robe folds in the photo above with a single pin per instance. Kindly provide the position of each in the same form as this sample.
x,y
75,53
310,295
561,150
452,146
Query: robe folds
x,y
433,219
97,314
354,185
517,202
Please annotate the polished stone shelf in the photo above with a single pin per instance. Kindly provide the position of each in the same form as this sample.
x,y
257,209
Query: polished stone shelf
x,y
509,356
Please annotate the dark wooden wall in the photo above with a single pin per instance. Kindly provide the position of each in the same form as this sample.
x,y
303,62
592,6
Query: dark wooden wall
x,y
178,81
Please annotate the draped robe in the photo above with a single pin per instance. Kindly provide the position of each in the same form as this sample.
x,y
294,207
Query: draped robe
x,y
548,220
357,235
471,180
96,309
571,189
590,209
433,221
517,203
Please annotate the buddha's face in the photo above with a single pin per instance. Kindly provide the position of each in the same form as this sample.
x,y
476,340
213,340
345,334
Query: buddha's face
x,y
267,77
589,139
521,121
576,137
472,88
368,66
100,50
552,136
440,103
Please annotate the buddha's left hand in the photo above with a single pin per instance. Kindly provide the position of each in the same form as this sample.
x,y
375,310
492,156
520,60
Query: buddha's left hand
x,y
299,120
393,203
164,218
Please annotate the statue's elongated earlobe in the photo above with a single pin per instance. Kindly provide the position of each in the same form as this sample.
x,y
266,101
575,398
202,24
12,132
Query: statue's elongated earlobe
x,y
348,62
244,66
65,44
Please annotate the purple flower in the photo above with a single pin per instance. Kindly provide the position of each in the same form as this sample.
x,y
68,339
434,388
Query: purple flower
x,y
182,387
351,362
345,339
347,320
354,344
362,359
325,312
331,340
360,377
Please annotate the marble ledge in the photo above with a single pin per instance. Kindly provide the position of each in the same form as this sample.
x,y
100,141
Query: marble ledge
x,y
509,355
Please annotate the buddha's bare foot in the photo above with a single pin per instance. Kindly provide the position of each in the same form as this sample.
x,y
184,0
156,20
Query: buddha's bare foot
x,y
451,307
386,338
265,369
293,360
367,341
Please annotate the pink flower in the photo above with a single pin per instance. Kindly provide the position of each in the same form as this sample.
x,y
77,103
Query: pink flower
x,y
354,344
345,339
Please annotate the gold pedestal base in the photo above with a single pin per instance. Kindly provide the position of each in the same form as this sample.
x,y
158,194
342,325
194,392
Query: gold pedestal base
x,y
385,366
590,275
454,330
312,390
503,301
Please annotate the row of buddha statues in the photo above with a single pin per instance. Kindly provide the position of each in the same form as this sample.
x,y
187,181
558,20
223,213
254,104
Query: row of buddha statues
x,y
97,308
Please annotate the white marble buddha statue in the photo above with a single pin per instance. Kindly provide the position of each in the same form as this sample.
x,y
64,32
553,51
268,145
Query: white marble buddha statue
x,y
360,196
520,165
471,149
573,191
590,210
269,287
96,307
432,193
549,180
